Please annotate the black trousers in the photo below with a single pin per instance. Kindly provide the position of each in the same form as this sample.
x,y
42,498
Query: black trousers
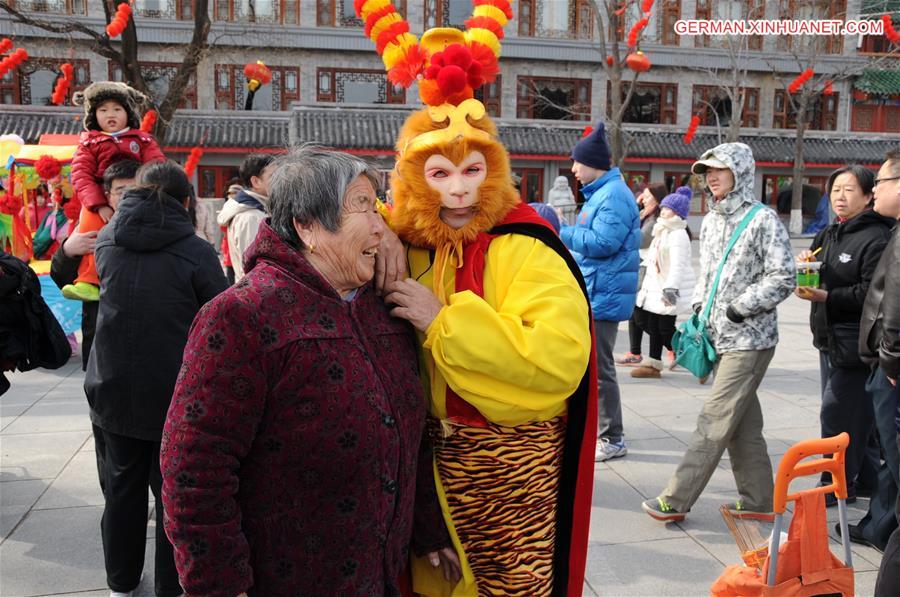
x,y
635,333
131,465
888,583
660,328
848,407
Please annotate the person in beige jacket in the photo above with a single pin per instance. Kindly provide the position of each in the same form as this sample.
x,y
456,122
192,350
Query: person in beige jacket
x,y
243,213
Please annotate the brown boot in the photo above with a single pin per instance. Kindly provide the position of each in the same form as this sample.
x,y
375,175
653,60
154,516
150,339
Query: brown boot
x,y
649,371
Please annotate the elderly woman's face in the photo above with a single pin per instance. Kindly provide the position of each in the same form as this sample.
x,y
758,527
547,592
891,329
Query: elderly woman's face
x,y
347,257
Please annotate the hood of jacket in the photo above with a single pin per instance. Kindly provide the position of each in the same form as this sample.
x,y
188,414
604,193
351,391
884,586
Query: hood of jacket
x,y
243,201
865,219
739,158
146,221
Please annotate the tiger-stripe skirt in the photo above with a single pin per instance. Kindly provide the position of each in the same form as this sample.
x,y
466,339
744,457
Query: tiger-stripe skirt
x,y
502,486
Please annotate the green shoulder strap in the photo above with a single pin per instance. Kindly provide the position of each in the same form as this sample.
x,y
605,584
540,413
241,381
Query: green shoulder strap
x,y
731,243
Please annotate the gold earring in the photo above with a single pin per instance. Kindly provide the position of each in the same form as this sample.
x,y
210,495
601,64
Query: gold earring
x,y
312,248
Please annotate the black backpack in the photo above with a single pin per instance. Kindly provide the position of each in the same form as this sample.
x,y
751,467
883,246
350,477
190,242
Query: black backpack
x,y
30,336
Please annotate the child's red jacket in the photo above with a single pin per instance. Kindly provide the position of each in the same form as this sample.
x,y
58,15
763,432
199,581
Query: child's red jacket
x,y
97,150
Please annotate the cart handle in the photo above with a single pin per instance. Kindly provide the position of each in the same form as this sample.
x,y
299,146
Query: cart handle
x,y
791,468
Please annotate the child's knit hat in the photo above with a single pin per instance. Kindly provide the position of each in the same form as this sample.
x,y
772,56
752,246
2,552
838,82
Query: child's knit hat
x,y
679,201
95,94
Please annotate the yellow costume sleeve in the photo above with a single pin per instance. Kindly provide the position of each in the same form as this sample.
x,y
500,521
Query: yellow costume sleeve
x,y
518,353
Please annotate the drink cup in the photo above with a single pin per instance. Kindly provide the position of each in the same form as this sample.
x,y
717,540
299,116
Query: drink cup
x,y
808,273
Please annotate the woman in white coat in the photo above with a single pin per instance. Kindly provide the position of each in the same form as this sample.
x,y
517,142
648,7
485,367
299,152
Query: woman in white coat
x,y
669,281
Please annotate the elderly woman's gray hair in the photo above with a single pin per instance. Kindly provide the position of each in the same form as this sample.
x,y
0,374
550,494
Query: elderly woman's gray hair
x,y
309,184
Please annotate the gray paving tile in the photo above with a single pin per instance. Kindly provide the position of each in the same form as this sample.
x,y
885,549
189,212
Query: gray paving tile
x,y
76,485
52,415
677,566
16,498
54,551
37,455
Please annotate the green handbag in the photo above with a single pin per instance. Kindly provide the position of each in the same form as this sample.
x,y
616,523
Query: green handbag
x,y
693,349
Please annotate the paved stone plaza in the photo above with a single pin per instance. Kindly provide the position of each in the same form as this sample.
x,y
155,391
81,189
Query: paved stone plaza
x,y
51,502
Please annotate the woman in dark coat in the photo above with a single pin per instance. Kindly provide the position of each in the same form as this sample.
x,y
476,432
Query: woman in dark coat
x,y
290,450
848,251
155,274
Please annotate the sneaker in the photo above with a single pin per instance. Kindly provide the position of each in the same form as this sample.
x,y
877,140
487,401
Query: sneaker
x,y
81,291
671,360
629,359
645,372
607,449
738,510
659,509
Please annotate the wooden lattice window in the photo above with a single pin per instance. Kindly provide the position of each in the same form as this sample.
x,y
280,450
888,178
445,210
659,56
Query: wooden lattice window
x,y
710,103
553,98
285,12
157,76
583,19
730,10
805,10
876,117
490,96
69,7
820,115
231,88
33,82
446,13
357,86
526,18
669,11
651,103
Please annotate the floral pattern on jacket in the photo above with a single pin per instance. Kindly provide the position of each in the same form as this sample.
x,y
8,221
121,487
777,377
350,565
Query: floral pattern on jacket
x,y
290,449
759,273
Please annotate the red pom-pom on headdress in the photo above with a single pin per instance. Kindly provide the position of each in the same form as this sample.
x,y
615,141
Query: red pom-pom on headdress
x,y
501,4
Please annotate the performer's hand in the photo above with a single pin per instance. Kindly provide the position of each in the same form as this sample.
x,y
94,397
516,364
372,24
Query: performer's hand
x,y
447,559
413,302
106,213
390,262
79,243
893,381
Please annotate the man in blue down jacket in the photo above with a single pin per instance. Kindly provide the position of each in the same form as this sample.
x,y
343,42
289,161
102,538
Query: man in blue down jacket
x,y
605,242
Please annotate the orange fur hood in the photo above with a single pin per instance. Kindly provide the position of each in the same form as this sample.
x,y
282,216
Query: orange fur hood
x,y
416,213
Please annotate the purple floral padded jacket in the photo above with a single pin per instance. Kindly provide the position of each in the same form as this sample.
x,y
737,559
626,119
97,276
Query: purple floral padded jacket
x,y
290,449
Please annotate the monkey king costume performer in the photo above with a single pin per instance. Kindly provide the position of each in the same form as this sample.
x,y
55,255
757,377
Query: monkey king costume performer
x,y
508,359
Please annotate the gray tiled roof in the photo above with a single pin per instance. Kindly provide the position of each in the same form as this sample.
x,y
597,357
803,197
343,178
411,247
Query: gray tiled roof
x,y
375,128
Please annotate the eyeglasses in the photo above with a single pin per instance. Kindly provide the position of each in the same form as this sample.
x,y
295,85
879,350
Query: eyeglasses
x,y
881,180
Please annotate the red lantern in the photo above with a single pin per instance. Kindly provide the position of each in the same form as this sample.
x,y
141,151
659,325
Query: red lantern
x,y
257,74
609,60
638,62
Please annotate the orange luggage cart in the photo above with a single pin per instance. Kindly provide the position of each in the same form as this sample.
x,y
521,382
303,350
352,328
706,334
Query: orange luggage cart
x,y
804,566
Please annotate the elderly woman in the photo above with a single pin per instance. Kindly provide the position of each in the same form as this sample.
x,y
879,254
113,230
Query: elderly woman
x,y
291,446
848,250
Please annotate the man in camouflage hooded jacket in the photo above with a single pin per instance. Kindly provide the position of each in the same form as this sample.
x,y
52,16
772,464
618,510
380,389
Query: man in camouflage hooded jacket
x,y
759,273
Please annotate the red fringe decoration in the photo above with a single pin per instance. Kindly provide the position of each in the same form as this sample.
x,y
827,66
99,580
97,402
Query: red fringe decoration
x,y
635,31
5,45
148,121
389,35
485,23
408,69
501,4
828,89
692,128
119,21
802,78
373,18
646,6
193,160
587,131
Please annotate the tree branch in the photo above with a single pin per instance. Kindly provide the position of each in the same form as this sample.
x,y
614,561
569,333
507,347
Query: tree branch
x,y
101,45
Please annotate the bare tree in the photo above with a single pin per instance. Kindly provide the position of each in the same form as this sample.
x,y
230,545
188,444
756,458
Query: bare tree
x,y
125,53
803,103
613,54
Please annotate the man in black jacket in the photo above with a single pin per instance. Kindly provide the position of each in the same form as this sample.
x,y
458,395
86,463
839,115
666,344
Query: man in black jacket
x,y
64,269
879,345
